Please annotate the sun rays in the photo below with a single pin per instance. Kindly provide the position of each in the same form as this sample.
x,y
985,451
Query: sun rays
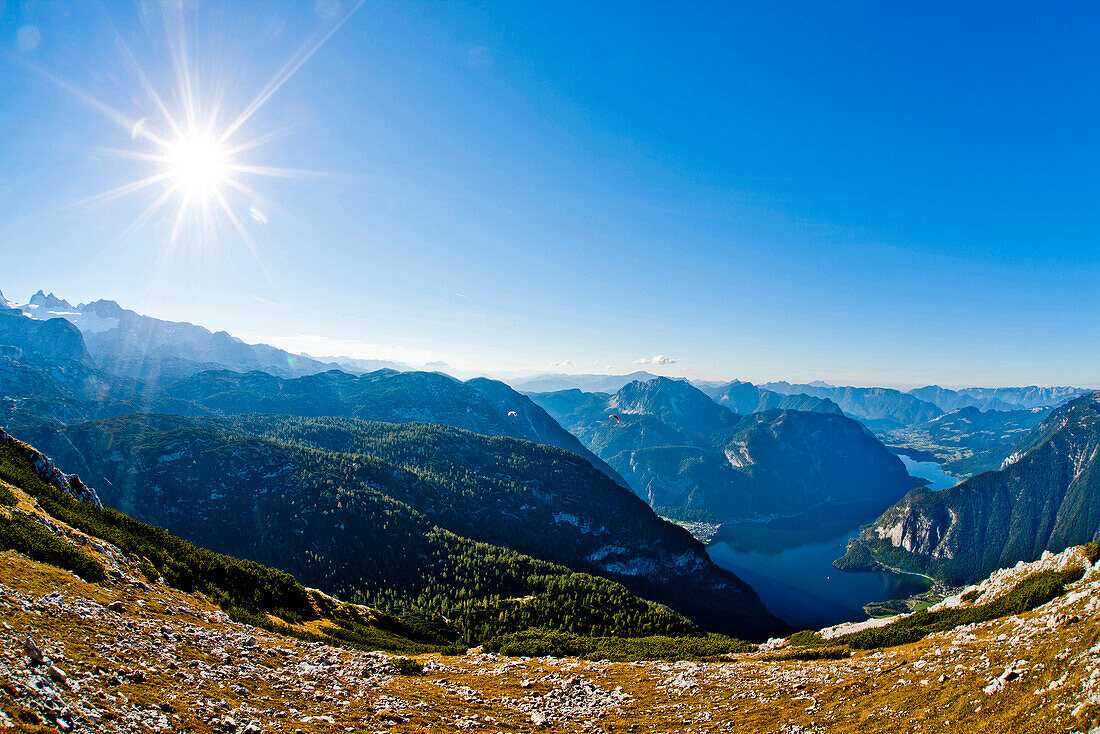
x,y
199,166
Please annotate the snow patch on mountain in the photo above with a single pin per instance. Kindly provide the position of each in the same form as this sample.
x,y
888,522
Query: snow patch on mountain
x,y
84,317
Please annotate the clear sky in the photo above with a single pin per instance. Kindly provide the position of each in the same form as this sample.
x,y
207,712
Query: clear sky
x,y
859,192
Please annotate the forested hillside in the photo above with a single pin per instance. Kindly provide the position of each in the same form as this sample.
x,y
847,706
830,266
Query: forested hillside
x,y
424,519
480,405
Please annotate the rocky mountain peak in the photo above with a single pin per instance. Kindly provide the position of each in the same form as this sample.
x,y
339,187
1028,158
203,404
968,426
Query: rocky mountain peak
x,y
105,309
52,339
676,402
49,302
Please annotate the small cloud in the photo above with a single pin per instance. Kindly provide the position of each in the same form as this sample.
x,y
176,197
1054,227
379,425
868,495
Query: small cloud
x,y
479,57
563,363
258,215
28,37
326,9
660,359
264,301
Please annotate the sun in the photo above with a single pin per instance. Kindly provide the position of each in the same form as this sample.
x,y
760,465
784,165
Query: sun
x,y
198,166
194,155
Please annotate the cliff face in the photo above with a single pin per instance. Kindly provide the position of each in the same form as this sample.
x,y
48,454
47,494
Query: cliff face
x,y
46,471
38,341
1046,497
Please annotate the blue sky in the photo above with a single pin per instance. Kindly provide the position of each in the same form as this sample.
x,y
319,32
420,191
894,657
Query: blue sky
x,y
841,191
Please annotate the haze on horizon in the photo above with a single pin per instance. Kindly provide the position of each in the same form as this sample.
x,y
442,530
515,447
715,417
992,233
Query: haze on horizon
x,y
859,194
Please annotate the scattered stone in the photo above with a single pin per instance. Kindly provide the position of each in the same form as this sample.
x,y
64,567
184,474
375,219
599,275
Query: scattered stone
x,y
33,651
59,675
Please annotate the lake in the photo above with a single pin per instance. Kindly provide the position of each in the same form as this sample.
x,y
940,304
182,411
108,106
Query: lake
x,y
938,479
800,585
790,564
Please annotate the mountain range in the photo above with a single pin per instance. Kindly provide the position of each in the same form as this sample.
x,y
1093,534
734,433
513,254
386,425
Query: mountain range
x,y
693,459
588,383
744,398
414,504
109,390
53,376
877,407
479,405
129,344
998,398
1045,498
47,374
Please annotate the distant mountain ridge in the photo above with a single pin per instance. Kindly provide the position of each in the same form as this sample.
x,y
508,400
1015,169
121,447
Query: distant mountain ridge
x,y
878,407
968,440
1046,497
881,409
744,398
47,375
998,398
127,343
587,383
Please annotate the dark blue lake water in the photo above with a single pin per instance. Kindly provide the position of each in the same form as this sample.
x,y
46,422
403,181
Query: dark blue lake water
x,y
794,574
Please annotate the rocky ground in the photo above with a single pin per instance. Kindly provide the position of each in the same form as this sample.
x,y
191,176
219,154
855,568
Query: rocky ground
x,y
134,657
